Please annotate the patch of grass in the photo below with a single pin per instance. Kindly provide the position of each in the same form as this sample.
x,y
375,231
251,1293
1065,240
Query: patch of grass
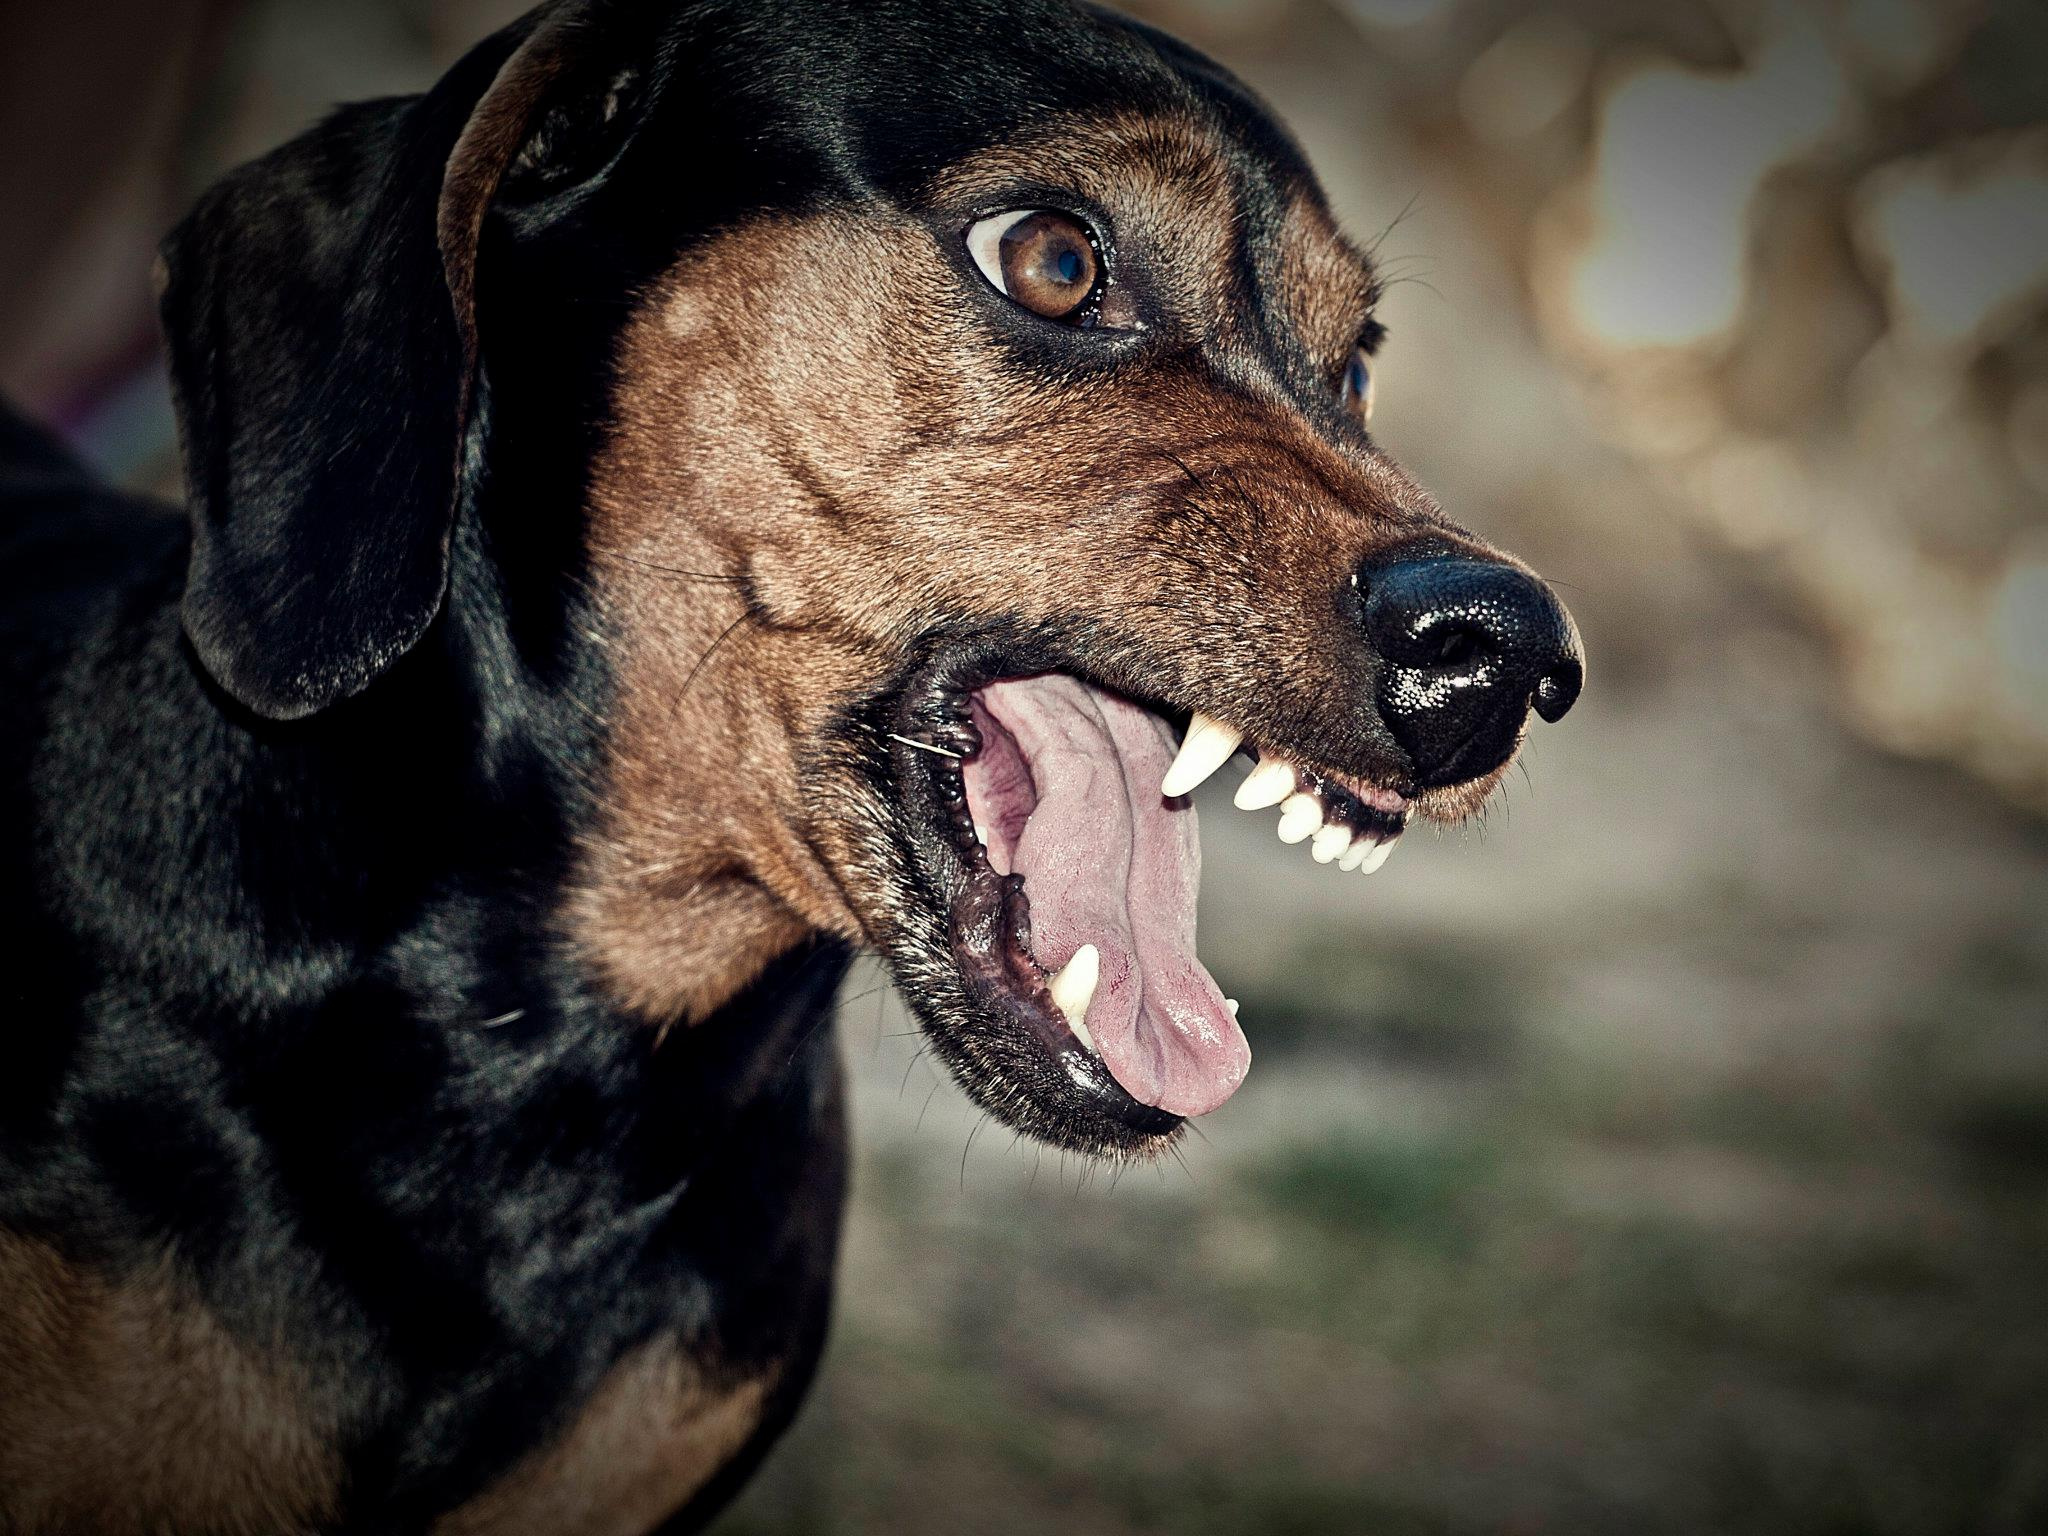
x,y
1359,1186
2006,1133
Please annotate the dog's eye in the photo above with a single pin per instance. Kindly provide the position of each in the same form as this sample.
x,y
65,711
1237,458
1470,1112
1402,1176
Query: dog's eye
x,y
1045,261
1358,383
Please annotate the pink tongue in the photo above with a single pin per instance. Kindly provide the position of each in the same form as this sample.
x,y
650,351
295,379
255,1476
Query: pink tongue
x,y
1066,791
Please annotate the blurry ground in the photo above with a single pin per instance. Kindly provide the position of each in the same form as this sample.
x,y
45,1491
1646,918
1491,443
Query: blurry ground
x,y
1671,1154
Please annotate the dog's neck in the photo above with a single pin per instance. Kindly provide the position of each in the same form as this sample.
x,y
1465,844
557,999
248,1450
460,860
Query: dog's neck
x,y
672,772
690,880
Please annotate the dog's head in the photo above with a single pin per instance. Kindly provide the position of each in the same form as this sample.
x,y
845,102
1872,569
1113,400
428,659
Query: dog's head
x,y
925,413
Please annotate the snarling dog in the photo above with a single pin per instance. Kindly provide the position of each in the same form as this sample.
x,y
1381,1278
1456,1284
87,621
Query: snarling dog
x,y
705,487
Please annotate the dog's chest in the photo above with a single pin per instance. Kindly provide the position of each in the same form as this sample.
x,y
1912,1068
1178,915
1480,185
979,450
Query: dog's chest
x,y
653,1434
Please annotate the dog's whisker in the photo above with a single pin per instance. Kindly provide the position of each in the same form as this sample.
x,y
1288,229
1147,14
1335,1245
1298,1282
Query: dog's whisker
x,y
927,1105
495,1021
903,1087
926,746
972,1133
666,570
723,636
1181,464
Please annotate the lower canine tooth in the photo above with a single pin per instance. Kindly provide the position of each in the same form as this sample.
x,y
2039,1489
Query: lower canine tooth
x,y
1073,989
1299,816
1330,842
1377,857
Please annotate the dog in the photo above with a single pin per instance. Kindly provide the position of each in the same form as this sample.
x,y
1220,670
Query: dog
x,y
706,487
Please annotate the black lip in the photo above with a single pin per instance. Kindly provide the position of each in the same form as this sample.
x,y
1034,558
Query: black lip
x,y
986,916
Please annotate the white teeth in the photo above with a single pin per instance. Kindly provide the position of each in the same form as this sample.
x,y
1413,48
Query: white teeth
x,y
1207,747
1268,784
1299,816
1330,842
1073,989
1231,1004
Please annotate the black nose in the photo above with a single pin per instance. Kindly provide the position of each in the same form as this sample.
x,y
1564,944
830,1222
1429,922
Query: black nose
x,y
1469,646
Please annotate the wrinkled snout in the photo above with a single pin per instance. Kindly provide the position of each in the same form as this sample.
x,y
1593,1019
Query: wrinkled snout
x,y
1468,647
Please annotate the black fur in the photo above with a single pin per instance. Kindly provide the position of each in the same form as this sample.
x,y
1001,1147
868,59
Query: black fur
x,y
290,789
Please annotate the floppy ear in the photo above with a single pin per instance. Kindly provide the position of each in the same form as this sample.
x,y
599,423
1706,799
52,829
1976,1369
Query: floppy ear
x,y
319,306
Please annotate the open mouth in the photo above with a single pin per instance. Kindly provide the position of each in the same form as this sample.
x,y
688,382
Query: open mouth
x,y
1076,866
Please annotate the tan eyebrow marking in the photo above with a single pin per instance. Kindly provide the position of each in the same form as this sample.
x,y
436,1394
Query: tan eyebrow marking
x,y
1326,282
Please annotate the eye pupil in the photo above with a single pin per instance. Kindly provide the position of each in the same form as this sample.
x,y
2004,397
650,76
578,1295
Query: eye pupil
x,y
1046,262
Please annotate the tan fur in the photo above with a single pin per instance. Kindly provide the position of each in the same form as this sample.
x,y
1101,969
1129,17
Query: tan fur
x,y
653,1433
825,447
126,1407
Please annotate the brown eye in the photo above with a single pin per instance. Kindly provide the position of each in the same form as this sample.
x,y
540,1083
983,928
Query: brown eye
x,y
1042,259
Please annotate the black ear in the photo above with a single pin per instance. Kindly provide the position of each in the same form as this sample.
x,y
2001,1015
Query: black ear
x,y
319,306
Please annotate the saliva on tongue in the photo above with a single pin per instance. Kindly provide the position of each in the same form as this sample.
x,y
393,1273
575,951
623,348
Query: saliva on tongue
x,y
1065,792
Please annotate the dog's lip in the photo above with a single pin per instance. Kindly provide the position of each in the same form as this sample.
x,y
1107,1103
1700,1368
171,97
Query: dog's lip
x,y
987,915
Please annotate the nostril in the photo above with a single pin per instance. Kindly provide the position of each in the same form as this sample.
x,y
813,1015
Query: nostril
x,y
1558,689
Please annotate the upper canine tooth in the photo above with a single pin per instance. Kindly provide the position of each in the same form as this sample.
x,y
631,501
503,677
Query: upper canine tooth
x,y
1073,989
1207,747
1377,857
1299,816
1268,784
1330,842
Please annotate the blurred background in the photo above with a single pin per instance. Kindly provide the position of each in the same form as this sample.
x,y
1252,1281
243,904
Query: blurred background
x,y
1667,1153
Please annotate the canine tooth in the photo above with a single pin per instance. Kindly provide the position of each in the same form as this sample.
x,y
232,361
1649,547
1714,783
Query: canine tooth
x,y
1073,989
1268,784
1377,857
1299,816
1330,842
1207,747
